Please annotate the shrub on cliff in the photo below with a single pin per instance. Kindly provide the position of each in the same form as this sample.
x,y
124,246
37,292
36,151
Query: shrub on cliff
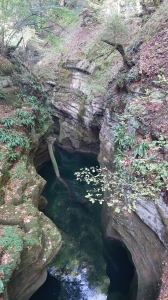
x,y
40,15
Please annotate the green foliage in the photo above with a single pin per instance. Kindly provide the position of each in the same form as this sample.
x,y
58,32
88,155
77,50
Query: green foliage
x,y
1,285
25,199
2,95
147,164
63,15
45,114
13,157
122,139
31,99
35,14
120,80
19,170
102,56
19,98
119,190
28,241
162,81
141,149
10,242
6,270
26,118
3,156
14,140
10,238
116,30
143,179
8,122
146,167
95,4
40,114
38,117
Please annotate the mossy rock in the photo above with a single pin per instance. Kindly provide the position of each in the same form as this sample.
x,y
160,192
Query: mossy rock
x,y
82,110
121,81
42,203
6,67
81,54
9,96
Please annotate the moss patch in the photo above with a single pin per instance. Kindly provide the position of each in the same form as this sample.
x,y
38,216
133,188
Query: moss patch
x,y
82,109
6,67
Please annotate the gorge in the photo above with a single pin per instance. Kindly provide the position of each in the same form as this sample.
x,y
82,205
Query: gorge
x,y
89,92
80,266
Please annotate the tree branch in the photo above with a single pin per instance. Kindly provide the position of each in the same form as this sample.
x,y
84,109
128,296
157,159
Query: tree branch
x,y
10,49
50,142
127,62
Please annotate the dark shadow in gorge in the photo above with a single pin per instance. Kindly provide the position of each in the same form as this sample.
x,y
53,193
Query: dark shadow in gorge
x,y
50,290
121,271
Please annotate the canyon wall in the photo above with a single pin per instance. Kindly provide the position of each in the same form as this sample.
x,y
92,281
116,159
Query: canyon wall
x,y
88,90
29,240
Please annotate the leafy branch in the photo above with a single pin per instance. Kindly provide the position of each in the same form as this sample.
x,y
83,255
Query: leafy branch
x,y
143,178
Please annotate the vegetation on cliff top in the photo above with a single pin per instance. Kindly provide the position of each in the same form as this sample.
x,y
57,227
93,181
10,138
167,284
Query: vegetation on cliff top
x,y
141,140
40,15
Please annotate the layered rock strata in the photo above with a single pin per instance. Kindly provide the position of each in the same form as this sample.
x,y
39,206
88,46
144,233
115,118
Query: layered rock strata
x,y
85,114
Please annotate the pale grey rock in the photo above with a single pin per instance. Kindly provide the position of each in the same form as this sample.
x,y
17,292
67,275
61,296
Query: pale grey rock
x,y
149,214
163,210
147,250
6,82
52,83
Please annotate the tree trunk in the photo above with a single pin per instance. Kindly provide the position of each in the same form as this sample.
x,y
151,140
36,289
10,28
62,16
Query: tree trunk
x,y
54,162
127,62
3,42
10,49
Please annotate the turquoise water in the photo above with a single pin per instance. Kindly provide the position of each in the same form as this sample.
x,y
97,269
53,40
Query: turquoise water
x,y
85,268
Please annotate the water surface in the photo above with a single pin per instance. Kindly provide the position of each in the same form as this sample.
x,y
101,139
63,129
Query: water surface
x,y
84,270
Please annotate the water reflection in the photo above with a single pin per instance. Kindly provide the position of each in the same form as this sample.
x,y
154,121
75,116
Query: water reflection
x,y
80,265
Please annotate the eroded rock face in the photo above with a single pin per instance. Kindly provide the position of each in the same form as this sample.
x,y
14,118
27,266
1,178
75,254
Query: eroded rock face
x,y
34,239
78,120
28,239
147,250
83,119
41,155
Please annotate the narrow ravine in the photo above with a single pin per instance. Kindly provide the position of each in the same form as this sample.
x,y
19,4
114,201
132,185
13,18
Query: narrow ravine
x,y
86,268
